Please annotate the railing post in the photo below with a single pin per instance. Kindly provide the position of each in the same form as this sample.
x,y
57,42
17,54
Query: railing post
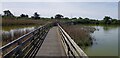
x,y
19,51
42,30
39,32
33,37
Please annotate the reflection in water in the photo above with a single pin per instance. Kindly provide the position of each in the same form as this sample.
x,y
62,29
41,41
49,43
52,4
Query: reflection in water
x,y
109,27
8,36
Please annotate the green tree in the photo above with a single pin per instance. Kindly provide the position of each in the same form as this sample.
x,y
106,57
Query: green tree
x,y
23,15
36,15
8,13
80,18
52,18
66,18
106,20
114,21
58,16
86,20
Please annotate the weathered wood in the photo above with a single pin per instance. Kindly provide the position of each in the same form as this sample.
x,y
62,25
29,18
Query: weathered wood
x,y
52,45
71,48
26,45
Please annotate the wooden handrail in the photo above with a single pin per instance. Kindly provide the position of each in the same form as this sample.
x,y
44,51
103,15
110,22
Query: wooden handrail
x,y
26,45
71,48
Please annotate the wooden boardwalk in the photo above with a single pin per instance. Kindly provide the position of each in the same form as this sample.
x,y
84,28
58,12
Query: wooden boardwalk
x,y
52,45
56,43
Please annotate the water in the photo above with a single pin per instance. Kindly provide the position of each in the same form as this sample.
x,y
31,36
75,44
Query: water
x,y
105,43
10,33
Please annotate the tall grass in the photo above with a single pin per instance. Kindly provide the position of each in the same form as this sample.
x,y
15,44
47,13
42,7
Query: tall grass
x,y
80,34
8,22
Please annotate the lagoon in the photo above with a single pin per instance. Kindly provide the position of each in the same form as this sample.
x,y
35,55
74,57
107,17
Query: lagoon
x,y
105,41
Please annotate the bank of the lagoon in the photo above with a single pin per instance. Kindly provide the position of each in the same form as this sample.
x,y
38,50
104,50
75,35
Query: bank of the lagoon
x,y
105,41
12,22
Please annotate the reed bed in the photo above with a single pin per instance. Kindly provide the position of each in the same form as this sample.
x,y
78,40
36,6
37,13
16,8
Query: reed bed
x,y
80,34
8,22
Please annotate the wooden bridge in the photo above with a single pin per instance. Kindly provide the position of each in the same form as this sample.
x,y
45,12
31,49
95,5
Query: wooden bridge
x,y
46,41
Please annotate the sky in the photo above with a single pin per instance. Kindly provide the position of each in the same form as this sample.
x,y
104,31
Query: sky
x,y
59,0
93,10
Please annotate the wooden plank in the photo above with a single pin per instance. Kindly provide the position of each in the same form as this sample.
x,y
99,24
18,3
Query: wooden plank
x,y
52,45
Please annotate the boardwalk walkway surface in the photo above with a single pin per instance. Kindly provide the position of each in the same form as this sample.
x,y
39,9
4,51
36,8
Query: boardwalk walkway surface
x,y
52,45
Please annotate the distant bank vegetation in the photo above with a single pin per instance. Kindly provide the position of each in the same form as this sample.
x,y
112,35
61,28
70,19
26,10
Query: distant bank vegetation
x,y
8,22
9,19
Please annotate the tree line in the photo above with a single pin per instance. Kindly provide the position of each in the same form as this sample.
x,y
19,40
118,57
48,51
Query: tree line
x,y
36,16
105,20
8,14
